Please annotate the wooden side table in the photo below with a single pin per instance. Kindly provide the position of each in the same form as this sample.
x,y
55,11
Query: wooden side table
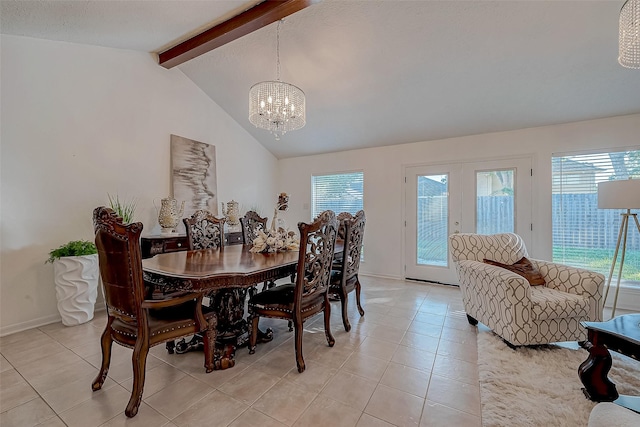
x,y
622,335
152,245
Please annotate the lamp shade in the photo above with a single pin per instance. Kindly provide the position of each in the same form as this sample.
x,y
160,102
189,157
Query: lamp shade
x,y
622,194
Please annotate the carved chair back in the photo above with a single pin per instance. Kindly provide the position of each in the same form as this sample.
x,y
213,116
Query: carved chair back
x,y
204,230
120,263
342,217
353,244
251,223
317,242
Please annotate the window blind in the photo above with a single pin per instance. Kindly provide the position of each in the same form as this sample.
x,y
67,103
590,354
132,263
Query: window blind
x,y
583,235
341,192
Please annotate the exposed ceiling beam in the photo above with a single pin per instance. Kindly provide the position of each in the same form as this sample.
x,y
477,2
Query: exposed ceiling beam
x,y
250,20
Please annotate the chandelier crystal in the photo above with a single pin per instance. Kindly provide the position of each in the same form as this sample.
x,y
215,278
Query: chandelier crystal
x,y
277,106
630,34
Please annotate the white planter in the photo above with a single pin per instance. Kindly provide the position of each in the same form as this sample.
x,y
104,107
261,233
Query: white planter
x,y
76,279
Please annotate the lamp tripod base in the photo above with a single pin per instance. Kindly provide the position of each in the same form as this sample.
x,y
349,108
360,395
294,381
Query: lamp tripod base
x,y
622,238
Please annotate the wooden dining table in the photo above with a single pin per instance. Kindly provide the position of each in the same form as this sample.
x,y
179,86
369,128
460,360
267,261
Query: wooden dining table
x,y
209,270
230,271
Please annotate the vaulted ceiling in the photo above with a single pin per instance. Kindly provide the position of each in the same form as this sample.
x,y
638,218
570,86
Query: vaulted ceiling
x,y
379,72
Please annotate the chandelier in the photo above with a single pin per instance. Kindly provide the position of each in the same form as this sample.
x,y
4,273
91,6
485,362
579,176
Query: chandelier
x,y
630,34
277,106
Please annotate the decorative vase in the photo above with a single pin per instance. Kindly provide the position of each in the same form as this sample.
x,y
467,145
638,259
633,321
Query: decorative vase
x,y
231,213
76,280
169,215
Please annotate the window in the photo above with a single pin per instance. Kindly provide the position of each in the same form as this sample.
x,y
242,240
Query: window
x,y
341,192
583,235
495,201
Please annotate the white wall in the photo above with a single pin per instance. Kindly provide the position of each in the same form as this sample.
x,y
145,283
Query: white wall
x,y
79,122
384,183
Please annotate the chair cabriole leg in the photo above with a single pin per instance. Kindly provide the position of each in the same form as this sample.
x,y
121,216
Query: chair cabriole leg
x,y
358,288
106,343
299,328
253,335
344,302
327,321
139,361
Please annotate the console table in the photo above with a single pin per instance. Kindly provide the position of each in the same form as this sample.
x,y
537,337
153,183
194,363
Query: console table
x,y
152,245
620,334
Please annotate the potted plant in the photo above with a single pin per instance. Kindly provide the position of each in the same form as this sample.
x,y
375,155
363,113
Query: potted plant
x,y
124,209
75,268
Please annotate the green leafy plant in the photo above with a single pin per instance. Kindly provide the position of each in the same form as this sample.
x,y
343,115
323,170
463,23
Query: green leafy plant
x,y
124,210
74,248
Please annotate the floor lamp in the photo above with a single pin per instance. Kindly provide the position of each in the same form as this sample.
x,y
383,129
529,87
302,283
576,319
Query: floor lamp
x,y
622,194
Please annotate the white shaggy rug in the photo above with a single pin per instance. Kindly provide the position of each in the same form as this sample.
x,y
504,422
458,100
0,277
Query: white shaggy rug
x,y
539,386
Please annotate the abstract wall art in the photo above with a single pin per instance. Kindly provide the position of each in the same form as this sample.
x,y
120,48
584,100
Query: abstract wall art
x,y
193,175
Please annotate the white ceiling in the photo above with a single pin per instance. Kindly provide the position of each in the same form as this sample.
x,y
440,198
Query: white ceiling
x,y
379,72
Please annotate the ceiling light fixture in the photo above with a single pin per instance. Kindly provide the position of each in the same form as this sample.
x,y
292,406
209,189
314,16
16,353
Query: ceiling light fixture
x,y
277,106
630,34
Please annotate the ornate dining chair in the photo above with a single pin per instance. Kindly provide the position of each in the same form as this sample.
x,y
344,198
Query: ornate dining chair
x,y
132,320
251,223
345,278
309,294
204,230
337,261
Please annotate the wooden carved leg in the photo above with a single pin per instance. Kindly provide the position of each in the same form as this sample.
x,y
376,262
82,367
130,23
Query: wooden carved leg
x,y
593,374
358,289
327,321
253,333
105,343
299,328
139,361
171,346
471,320
209,339
344,300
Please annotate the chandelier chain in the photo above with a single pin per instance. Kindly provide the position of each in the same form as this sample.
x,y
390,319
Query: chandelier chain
x,y
278,50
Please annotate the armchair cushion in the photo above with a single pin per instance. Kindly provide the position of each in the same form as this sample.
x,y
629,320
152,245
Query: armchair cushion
x,y
547,303
524,268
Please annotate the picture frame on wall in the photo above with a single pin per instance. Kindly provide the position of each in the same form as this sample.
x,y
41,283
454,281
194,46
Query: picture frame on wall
x,y
193,175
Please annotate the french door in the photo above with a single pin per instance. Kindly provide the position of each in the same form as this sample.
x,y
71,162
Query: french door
x,y
474,197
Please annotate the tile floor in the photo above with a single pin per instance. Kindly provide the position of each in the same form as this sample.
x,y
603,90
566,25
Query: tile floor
x,y
410,361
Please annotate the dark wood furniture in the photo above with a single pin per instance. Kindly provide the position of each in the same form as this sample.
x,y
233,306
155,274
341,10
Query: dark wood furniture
x,y
211,270
251,222
160,244
233,238
155,244
204,230
133,320
308,296
214,269
620,334
344,277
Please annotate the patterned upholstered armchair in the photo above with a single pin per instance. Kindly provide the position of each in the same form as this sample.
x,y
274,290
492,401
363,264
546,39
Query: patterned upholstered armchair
x,y
505,302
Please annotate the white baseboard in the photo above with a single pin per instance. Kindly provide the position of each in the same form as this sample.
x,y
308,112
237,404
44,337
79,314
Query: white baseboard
x,y
36,323
628,298
380,276
30,324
